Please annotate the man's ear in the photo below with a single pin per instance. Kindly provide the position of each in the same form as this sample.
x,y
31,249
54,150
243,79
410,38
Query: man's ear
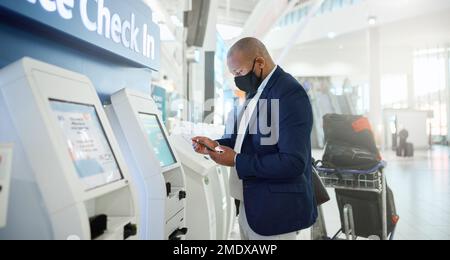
x,y
260,63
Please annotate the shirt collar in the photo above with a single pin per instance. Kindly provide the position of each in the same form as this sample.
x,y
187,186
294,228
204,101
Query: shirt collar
x,y
264,83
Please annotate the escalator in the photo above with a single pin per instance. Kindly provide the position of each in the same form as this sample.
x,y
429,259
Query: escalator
x,y
324,102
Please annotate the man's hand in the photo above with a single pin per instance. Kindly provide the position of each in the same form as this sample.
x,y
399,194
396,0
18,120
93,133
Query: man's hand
x,y
199,143
225,157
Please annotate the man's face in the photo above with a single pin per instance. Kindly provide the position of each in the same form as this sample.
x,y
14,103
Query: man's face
x,y
240,64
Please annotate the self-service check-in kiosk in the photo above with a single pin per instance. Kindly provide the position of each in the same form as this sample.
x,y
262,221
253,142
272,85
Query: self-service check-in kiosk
x,y
6,154
153,163
216,132
201,173
218,182
69,180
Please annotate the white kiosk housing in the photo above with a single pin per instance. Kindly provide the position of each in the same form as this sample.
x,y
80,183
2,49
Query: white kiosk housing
x,y
218,179
201,174
6,154
69,180
153,163
216,132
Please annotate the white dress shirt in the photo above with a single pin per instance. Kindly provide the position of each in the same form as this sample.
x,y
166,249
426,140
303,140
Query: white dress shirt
x,y
236,186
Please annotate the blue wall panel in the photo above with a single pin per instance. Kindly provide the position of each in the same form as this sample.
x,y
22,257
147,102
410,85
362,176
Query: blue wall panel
x,y
107,72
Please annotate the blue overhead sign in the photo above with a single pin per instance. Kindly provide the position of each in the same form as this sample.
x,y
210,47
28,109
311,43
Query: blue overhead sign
x,y
124,28
159,96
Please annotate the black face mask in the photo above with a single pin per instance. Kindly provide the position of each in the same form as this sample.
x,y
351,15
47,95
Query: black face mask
x,y
249,83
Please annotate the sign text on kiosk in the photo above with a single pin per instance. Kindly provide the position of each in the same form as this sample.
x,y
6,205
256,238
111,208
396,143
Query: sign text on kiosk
x,y
106,24
123,28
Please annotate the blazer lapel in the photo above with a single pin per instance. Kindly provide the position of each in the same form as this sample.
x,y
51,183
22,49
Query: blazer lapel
x,y
262,107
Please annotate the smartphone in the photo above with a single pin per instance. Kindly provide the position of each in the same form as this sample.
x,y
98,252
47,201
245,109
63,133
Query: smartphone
x,y
208,147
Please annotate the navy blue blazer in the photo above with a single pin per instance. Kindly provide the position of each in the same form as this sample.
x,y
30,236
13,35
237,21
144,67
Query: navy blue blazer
x,y
278,190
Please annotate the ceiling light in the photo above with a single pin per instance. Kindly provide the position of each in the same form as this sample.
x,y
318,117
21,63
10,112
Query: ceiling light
x,y
331,35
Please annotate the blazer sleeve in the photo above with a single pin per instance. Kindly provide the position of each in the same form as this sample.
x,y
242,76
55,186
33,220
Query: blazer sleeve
x,y
295,126
228,142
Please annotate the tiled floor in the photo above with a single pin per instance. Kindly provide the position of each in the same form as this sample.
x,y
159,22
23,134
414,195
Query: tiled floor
x,y
422,191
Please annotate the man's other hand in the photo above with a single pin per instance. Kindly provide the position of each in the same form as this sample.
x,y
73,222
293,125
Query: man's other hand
x,y
225,156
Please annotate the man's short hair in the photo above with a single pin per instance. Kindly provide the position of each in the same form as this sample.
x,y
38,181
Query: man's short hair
x,y
250,47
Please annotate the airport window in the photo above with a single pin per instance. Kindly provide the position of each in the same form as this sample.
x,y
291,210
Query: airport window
x,y
430,87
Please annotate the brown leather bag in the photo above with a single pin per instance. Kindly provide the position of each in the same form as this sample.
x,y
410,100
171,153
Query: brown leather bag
x,y
320,191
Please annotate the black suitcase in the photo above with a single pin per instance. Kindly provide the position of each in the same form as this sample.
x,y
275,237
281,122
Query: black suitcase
x,y
367,211
399,152
409,150
344,156
349,129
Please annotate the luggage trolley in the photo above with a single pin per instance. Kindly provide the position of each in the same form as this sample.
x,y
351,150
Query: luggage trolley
x,y
356,191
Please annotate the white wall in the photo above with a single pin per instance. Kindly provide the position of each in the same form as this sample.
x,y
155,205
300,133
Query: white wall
x,y
341,59
326,62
